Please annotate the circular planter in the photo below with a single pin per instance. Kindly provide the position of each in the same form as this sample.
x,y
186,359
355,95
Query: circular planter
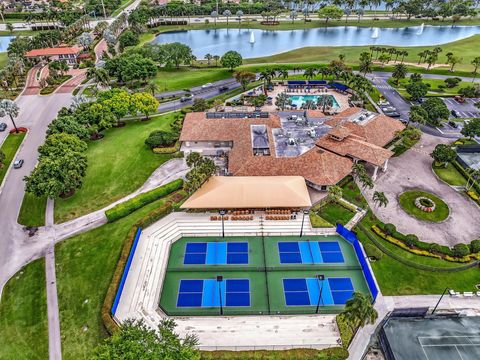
x,y
423,206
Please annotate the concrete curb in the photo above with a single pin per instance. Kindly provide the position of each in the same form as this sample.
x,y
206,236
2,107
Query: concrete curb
x,y
10,167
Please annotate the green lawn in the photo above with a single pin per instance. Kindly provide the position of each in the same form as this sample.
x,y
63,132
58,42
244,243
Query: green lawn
x,y
434,87
32,212
466,48
3,59
450,175
407,202
85,265
351,192
186,78
10,147
317,221
334,212
23,315
117,165
396,278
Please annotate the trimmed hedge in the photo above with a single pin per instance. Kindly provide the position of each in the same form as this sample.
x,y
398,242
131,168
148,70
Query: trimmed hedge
x,y
126,208
167,150
335,353
152,217
439,250
373,251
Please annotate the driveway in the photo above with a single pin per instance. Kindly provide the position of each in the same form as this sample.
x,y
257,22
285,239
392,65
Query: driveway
x,y
413,170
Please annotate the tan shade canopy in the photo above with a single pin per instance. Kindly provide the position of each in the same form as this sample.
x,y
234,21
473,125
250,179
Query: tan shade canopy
x,y
243,192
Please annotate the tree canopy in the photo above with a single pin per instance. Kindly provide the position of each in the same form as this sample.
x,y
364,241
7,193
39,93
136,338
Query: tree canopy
x,y
231,60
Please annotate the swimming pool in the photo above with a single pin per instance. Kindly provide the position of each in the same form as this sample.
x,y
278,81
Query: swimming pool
x,y
299,100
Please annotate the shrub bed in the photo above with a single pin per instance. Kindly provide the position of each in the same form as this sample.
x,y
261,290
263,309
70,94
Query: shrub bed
x,y
460,253
155,215
335,353
121,210
168,149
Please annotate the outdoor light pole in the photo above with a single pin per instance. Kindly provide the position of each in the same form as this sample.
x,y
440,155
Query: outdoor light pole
x,y
438,302
219,281
222,213
320,277
305,212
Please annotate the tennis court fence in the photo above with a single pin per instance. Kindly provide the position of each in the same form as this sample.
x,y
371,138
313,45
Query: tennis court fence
x,y
234,268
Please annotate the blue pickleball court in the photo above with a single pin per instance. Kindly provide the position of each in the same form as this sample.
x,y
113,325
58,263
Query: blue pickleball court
x,y
306,292
216,253
310,252
212,293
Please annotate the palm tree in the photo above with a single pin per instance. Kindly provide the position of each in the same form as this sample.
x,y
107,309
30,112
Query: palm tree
x,y
359,311
209,58
403,53
380,199
282,101
239,15
309,73
453,60
216,58
227,14
266,76
476,63
152,88
283,73
399,72
293,15
214,14
10,108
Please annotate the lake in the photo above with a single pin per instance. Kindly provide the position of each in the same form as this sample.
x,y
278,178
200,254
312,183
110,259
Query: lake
x,y
270,42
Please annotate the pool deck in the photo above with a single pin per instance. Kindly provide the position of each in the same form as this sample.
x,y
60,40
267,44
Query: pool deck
x,y
341,99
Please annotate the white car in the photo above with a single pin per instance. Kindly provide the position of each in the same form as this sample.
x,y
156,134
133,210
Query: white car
x,y
207,85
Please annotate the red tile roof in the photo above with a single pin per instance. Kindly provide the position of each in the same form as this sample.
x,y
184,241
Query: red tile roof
x,y
66,50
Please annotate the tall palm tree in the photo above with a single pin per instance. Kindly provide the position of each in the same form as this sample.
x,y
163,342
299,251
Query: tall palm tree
x,y
309,73
359,311
239,15
293,15
216,58
266,76
283,73
380,199
10,108
227,14
209,58
214,14
152,88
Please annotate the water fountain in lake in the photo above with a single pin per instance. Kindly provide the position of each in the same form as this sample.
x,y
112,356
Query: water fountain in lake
x,y
420,31
252,37
375,33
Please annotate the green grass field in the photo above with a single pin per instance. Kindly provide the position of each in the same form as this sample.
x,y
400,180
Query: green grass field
x,y
85,264
32,212
407,202
265,273
118,164
186,78
450,175
434,87
334,212
23,315
9,148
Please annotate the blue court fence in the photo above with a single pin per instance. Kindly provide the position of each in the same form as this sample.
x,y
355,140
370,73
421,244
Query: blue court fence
x,y
125,271
352,239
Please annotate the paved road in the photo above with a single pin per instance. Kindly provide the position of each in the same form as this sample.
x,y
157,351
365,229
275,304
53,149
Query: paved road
x,y
36,112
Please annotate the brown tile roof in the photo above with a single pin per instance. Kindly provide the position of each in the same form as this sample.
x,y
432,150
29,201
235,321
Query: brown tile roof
x,y
356,147
66,50
317,166
340,132
379,131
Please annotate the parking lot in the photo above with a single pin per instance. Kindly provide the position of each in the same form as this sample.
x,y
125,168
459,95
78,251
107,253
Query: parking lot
x,y
464,110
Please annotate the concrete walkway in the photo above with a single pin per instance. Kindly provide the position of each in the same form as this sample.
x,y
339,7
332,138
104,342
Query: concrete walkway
x,y
54,340
413,170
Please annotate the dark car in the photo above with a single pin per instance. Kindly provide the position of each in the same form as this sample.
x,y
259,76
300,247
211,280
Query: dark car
x,y
454,113
3,126
453,124
18,164
223,88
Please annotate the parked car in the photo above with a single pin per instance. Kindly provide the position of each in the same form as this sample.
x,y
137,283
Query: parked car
x,y
453,124
186,97
223,88
207,85
459,99
454,113
18,164
3,126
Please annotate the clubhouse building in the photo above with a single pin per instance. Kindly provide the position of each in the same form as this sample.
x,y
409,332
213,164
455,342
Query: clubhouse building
x,y
320,149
